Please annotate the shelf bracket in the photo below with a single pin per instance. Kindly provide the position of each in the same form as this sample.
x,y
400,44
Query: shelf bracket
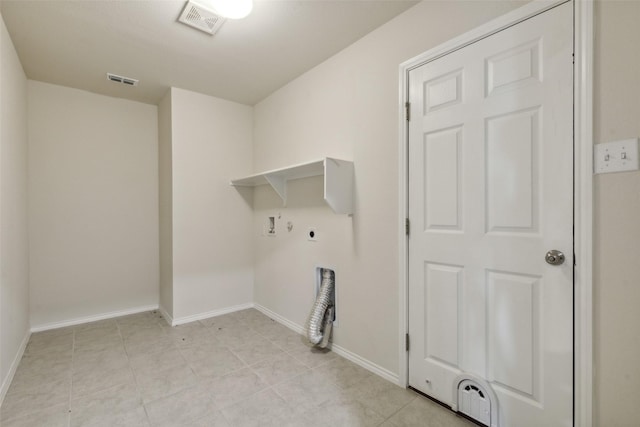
x,y
338,181
279,184
338,185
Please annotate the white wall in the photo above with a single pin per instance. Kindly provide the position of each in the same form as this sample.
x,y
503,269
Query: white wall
x,y
347,108
93,204
14,257
165,204
617,218
212,246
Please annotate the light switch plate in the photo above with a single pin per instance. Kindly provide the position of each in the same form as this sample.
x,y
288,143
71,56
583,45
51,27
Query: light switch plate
x,y
616,156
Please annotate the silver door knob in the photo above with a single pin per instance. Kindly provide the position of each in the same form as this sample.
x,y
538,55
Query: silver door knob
x,y
554,257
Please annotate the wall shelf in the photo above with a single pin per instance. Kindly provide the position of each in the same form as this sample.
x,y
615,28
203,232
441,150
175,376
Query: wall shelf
x,y
338,181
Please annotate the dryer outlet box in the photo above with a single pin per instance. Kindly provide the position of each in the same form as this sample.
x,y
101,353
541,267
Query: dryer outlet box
x,y
312,235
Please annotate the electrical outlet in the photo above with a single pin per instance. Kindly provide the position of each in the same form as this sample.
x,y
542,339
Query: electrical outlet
x,y
616,156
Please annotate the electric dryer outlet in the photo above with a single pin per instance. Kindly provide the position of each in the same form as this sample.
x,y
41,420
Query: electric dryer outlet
x,y
312,234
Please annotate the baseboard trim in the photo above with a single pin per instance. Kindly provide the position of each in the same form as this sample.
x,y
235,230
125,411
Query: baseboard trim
x,y
339,350
366,364
166,316
282,320
94,318
6,381
206,315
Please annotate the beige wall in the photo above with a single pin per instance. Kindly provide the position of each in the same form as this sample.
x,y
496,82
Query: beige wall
x,y
617,218
165,204
93,204
347,107
14,257
94,207
212,253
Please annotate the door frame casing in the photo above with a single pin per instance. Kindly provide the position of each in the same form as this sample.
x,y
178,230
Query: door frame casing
x,y
583,34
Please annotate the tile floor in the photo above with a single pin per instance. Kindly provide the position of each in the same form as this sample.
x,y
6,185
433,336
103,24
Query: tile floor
x,y
240,369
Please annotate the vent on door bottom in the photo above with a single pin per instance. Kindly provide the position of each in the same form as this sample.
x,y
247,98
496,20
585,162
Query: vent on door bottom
x,y
120,79
201,18
474,402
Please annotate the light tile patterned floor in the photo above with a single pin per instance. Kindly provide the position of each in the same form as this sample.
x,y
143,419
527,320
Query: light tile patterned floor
x,y
240,369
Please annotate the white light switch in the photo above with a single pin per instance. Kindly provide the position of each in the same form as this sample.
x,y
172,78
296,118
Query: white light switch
x,y
616,156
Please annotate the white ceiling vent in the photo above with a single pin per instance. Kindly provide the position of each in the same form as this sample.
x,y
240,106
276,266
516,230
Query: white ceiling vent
x,y
120,79
198,16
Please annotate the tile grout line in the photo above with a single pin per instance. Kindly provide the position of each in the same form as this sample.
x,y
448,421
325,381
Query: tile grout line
x,y
135,377
398,410
285,351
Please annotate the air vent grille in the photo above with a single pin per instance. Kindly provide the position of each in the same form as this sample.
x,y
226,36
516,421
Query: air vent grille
x,y
121,79
201,18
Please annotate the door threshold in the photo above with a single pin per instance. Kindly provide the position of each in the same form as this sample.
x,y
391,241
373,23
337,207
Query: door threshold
x,y
444,405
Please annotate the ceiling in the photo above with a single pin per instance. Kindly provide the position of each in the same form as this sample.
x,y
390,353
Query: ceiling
x,y
75,43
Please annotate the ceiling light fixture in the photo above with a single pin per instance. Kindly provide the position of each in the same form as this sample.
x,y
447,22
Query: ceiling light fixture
x,y
232,9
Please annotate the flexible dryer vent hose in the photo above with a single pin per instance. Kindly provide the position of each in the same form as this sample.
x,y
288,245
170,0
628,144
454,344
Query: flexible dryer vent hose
x,y
321,317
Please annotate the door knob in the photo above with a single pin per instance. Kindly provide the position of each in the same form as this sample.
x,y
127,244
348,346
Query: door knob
x,y
554,257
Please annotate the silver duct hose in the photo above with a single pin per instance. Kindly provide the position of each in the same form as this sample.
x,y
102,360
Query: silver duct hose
x,y
321,317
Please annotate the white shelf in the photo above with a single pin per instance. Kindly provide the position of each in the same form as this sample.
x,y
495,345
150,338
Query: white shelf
x,y
338,181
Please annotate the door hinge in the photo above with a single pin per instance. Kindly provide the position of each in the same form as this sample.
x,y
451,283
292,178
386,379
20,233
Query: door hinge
x,y
406,342
407,109
407,226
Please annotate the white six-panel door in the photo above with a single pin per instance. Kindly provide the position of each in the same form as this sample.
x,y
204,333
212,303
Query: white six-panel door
x,y
490,192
